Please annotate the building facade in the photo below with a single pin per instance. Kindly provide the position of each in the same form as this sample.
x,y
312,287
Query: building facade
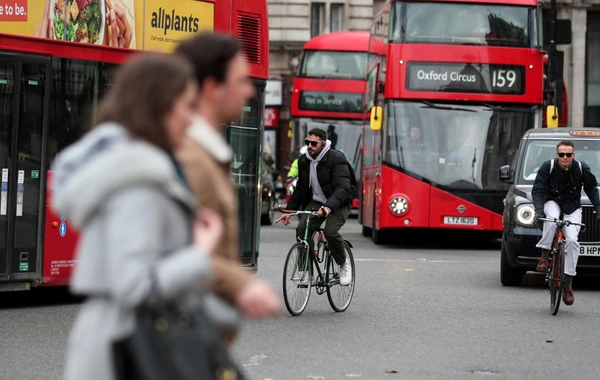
x,y
581,70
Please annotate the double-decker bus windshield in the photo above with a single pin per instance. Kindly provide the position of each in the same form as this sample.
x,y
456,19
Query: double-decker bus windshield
x,y
343,134
455,146
463,24
333,65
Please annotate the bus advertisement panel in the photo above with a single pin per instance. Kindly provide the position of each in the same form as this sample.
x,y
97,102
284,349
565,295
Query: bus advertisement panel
x,y
458,85
136,24
49,91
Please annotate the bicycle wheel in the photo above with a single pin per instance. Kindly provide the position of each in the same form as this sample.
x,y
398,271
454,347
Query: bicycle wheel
x,y
339,296
557,275
297,279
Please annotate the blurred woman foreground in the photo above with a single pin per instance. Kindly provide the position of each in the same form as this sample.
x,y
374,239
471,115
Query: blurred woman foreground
x,y
122,188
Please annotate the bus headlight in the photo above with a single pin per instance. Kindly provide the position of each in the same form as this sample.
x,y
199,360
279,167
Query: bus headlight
x,y
525,214
399,205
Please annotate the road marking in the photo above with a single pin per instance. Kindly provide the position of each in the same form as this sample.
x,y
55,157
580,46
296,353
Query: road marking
x,y
401,260
255,360
425,260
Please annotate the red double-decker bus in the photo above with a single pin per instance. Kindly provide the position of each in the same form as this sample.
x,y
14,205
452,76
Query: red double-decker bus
x,y
49,90
457,86
329,90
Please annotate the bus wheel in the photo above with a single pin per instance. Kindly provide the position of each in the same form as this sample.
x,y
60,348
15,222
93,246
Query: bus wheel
x,y
378,236
366,231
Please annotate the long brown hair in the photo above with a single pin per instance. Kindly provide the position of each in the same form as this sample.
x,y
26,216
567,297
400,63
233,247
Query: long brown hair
x,y
145,90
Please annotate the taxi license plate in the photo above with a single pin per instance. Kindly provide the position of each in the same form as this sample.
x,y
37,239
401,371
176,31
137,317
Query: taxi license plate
x,y
462,220
589,250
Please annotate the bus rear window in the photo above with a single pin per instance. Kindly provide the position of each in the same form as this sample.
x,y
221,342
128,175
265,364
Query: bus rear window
x,y
462,24
333,65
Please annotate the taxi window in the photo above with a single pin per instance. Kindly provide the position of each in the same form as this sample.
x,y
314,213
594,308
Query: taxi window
x,y
539,151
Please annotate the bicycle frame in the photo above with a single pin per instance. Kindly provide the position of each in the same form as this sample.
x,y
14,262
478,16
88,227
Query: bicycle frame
x,y
559,234
323,280
558,241
313,257
555,275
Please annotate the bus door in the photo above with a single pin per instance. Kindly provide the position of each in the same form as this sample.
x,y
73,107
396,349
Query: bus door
x,y
24,90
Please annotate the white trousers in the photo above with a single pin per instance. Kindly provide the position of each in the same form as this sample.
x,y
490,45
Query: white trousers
x,y
552,210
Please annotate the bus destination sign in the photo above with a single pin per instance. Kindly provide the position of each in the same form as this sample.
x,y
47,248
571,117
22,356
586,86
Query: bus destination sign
x,y
331,101
466,77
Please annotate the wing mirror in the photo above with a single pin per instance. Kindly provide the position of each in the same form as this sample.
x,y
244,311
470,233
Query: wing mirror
x,y
376,118
504,174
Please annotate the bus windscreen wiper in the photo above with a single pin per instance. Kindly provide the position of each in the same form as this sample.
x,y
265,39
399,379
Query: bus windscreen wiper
x,y
494,107
438,107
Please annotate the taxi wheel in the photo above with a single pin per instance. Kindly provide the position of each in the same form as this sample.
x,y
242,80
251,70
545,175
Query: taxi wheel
x,y
508,275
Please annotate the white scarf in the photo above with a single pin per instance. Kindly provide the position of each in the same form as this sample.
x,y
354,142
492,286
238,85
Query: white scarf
x,y
205,135
318,194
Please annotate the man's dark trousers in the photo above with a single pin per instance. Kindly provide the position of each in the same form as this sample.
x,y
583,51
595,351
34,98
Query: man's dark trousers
x,y
335,221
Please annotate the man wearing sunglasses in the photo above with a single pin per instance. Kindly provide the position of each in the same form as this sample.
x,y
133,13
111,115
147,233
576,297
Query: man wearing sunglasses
x,y
324,185
556,190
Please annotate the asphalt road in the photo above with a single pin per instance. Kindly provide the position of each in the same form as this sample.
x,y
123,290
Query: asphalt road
x,y
33,333
429,308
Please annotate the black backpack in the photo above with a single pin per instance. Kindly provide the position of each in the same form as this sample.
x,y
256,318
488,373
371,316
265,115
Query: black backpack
x,y
353,182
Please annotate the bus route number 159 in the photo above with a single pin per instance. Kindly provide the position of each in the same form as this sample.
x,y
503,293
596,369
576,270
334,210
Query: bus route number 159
x,y
502,78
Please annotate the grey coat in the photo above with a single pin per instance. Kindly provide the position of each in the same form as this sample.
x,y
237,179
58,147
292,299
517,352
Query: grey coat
x,y
134,215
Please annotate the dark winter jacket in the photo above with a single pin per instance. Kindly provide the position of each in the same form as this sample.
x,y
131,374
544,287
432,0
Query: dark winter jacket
x,y
564,186
334,178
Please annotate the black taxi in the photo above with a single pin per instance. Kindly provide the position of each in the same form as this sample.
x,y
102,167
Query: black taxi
x,y
519,236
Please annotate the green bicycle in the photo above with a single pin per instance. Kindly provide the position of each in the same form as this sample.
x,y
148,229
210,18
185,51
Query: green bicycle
x,y
300,264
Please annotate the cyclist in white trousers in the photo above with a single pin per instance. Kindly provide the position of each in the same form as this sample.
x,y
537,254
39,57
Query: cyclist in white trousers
x,y
556,190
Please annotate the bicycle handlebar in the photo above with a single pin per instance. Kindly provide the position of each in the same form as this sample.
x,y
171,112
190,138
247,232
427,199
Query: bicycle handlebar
x,y
558,221
296,212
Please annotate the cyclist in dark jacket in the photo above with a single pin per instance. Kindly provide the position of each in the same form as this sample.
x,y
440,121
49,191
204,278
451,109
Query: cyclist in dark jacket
x,y
324,185
556,190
